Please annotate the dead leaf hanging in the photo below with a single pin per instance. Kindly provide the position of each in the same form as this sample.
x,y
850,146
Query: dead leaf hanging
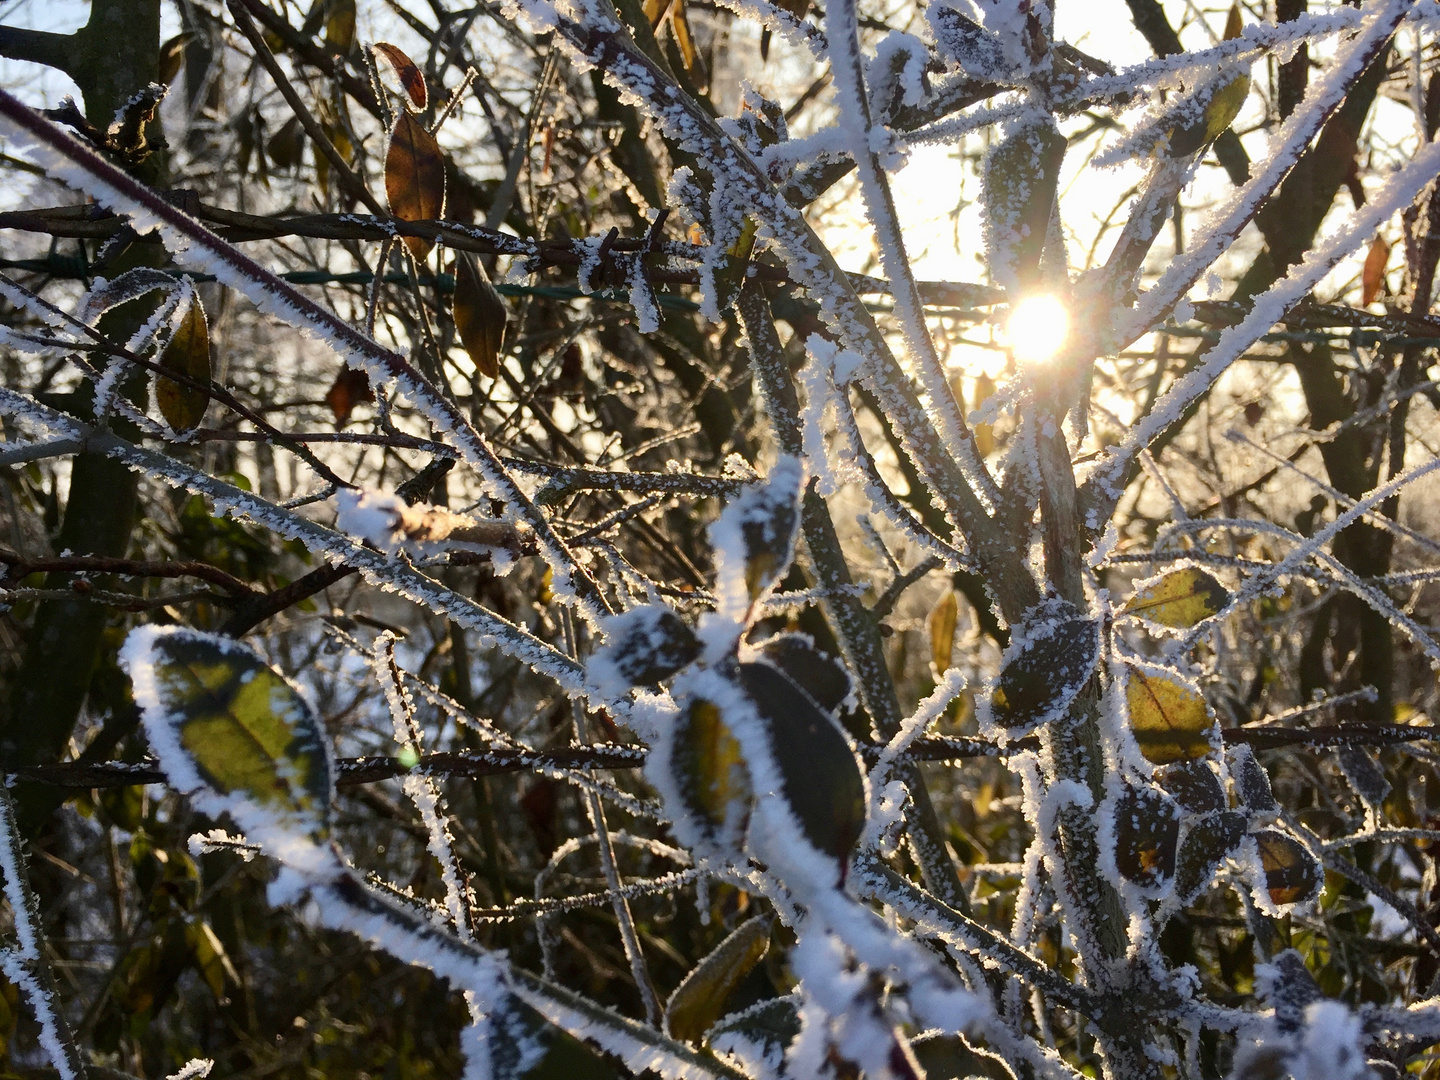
x,y
414,178
188,353
412,80
480,315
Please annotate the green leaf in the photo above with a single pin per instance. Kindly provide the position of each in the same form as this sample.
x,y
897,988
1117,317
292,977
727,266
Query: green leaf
x,y
188,354
754,537
1180,599
1051,660
700,998
228,728
760,1033
820,776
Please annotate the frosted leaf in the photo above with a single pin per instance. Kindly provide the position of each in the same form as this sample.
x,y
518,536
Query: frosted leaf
x,y
642,646
1139,830
1287,986
1194,785
1252,783
707,792
820,776
754,539
1021,174
1179,599
1051,657
1169,719
755,1039
700,998
232,732
1363,772
1282,871
822,677
1208,842
514,1038
105,295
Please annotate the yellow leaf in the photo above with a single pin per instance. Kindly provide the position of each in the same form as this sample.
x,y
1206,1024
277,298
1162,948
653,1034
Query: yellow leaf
x,y
700,998
984,433
228,728
188,353
340,26
730,275
680,27
1220,111
941,624
710,773
480,315
414,177
1167,717
1180,599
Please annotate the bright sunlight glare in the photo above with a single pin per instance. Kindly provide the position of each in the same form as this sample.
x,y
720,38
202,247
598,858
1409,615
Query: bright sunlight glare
x,y
1036,329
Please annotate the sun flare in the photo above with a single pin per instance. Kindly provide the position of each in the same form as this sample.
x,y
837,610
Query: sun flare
x,y
1037,328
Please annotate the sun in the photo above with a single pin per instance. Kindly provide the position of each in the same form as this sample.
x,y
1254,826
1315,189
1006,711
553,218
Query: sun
x,y
1036,328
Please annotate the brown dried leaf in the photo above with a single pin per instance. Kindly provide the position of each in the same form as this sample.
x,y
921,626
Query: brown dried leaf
x,y
188,353
414,178
1234,23
172,55
412,81
349,389
480,315
1372,278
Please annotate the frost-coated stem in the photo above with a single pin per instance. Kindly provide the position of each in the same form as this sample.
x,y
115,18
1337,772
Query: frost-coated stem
x,y
1323,97
378,568
346,903
848,70
619,903
191,243
424,791
856,628
876,881
26,966
1102,488
603,43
